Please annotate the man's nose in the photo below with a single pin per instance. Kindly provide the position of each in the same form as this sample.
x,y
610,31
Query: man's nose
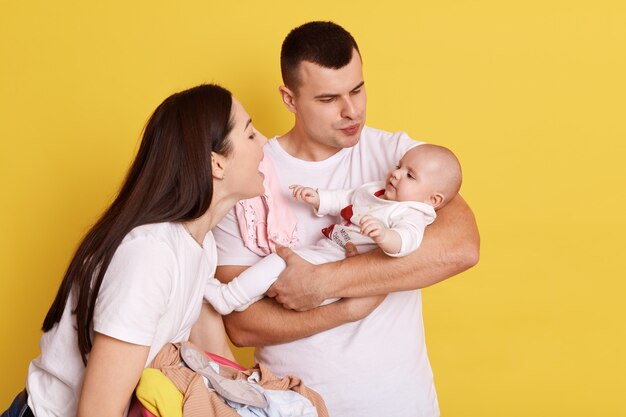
x,y
348,110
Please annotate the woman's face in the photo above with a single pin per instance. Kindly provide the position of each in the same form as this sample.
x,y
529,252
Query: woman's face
x,y
243,177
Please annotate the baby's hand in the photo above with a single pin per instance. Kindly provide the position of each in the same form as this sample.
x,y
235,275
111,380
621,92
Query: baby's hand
x,y
306,194
374,228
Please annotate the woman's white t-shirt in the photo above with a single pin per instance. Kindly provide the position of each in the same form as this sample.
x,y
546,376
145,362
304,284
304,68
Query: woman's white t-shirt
x,y
151,295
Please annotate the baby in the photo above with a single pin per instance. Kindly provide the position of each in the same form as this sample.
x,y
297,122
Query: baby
x,y
391,215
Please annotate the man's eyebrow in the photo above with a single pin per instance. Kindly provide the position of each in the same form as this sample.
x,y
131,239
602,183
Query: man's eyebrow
x,y
326,95
358,86
329,95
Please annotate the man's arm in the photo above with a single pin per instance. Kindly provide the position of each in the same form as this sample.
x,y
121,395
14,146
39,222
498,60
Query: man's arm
x,y
266,322
450,245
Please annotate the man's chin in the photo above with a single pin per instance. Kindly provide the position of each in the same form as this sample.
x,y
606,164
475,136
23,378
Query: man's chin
x,y
349,141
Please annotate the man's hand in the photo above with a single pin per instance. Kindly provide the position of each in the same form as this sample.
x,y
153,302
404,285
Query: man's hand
x,y
306,194
298,286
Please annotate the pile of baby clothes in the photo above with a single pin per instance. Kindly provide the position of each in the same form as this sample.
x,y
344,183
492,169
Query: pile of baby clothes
x,y
182,381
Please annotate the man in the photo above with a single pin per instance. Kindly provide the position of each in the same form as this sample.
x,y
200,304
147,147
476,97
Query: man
x,y
365,354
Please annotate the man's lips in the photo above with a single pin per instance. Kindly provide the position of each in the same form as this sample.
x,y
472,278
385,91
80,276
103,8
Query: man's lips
x,y
351,130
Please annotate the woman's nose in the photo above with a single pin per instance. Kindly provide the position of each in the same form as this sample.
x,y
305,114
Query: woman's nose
x,y
262,138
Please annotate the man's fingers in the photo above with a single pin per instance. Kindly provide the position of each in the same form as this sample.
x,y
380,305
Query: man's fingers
x,y
351,250
280,300
283,251
271,292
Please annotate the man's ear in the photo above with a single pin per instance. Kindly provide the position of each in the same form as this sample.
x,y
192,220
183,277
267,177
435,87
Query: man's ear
x,y
288,98
436,200
218,166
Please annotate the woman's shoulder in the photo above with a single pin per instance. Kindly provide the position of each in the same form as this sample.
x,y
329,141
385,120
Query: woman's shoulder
x,y
156,237
159,231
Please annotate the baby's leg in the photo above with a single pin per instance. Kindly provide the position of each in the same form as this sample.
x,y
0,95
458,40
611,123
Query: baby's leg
x,y
247,288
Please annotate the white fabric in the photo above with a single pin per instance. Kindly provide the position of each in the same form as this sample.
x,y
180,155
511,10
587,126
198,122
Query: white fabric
x,y
247,288
407,218
374,367
280,403
151,295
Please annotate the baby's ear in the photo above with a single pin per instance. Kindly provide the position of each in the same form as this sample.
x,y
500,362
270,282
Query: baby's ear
x,y
436,200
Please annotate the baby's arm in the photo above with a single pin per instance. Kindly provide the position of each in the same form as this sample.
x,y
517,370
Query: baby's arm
x,y
306,194
387,239
324,202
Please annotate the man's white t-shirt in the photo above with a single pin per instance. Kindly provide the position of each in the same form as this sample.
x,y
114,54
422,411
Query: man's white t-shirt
x,y
151,295
370,368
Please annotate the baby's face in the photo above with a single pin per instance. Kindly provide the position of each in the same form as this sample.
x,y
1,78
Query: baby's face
x,y
411,180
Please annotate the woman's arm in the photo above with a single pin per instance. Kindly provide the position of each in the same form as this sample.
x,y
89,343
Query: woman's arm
x,y
113,371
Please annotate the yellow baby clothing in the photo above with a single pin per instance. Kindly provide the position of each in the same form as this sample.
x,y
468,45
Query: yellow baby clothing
x,y
159,395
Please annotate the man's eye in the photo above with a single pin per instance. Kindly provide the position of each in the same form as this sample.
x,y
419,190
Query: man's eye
x,y
327,100
355,92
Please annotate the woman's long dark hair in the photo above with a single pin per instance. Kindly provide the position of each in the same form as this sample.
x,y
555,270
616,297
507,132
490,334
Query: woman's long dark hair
x,y
170,180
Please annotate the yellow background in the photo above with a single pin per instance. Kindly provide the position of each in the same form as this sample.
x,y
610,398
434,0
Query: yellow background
x,y
530,95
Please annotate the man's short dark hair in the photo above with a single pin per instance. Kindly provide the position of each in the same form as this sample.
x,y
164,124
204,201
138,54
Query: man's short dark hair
x,y
323,43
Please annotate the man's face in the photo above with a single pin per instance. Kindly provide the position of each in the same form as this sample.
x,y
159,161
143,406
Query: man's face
x,y
329,104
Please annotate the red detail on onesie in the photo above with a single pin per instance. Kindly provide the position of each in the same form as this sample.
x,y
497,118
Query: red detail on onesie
x,y
379,193
346,213
327,231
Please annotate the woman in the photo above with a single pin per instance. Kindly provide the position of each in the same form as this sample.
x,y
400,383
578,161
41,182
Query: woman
x,y
136,280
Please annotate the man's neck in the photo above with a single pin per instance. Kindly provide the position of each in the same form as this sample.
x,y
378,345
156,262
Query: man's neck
x,y
304,148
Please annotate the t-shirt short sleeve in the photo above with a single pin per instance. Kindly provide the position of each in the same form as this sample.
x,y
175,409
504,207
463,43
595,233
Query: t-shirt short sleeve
x,y
405,144
385,150
135,291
